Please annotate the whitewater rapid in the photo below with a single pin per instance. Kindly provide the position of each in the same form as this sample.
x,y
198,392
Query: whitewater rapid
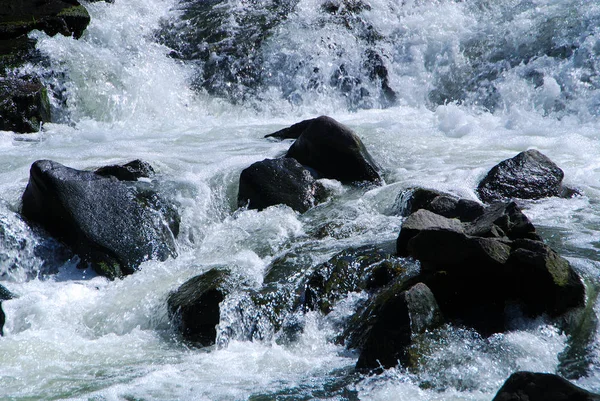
x,y
72,335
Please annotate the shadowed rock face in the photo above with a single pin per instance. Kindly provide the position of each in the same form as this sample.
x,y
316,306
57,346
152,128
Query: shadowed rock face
x,y
67,17
4,295
194,307
528,175
528,386
333,151
109,224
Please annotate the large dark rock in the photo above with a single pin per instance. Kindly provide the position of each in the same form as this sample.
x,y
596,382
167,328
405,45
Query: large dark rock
x,y
4,295
334,151
278,181
528,175
67,17
383,332
367,268
529,386
194,307
478,269
110,225
24,105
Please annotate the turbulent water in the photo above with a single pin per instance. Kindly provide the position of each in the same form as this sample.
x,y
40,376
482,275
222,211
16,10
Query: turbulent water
x,y
438,90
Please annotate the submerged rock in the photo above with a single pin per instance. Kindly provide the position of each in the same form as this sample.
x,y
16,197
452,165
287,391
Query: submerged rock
x,y
67,17
529,386
383,332
477,269
24,105
334,151
110,225
194,307
4,296
528,175
278,181
127,172
367,268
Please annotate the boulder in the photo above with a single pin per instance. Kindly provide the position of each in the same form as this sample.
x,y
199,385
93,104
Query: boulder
x,y
127,172
477,269
4,296
444,204
334,151
67,17
528,175
194,307
278,181
356,269
111,226
383,332
529,386
24,105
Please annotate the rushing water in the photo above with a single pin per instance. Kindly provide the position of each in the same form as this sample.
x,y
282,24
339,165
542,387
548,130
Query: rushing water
x,y
438,90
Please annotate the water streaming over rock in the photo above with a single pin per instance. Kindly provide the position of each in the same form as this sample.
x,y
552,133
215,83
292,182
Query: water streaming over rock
x,y
439,91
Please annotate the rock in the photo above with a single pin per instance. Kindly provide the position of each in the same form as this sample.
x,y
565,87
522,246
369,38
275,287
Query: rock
x,y
127,172
529,386
278,181
528,175
24,105
67,17
367,268
440,203
110,225
478,269
387,326
17,51
334,151
194,307
4,296
291,132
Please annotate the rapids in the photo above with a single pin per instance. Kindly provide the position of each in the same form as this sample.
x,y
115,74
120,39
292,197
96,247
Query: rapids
x,y
438,90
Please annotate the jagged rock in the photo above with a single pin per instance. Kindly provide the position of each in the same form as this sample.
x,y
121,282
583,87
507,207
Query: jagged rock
x,y
24,105
278,181
366,268
529,386
384,330
194,307
67,17
528,175
334,151
4,296
477,269
110,225
446,205
127,172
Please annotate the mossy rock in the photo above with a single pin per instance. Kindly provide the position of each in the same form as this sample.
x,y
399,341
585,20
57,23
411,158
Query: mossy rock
x,y
24,105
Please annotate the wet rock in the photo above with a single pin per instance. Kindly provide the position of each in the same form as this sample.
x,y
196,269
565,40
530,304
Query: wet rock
x,y
356,269
127,172
112,226
16,51
24,105
384,331
278,181
529,386
528,175
194,307
291,132
4,296
334,151
67,17
440,203
477,270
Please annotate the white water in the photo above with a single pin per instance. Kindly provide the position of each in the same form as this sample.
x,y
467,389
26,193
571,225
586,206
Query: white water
x,y
75,336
